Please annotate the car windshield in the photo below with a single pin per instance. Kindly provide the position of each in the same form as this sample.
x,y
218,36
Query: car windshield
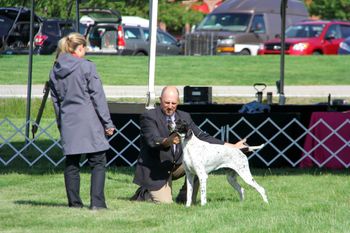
x,y
236,22
304,31
82,28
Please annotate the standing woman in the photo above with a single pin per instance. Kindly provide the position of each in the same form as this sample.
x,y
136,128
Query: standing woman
x,y
83,118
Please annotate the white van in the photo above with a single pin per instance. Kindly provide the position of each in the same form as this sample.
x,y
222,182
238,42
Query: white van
x,y
240,26
135,21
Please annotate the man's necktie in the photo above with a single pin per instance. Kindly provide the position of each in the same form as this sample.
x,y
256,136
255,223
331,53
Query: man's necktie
x,y
171,124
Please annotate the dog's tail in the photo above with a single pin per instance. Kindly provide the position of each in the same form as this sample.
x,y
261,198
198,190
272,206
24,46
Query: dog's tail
x,y
252,148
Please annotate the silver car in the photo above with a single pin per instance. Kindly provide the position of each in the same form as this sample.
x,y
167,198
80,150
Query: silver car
x,y
137,42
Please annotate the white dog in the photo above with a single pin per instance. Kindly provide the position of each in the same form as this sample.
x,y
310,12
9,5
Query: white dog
x,y
200,158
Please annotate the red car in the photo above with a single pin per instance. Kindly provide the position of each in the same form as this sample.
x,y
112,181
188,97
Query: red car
x,y
310,37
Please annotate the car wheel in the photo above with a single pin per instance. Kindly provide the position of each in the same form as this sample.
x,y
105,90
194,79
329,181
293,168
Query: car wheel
x,y
140,53
316,53
52,50
244,52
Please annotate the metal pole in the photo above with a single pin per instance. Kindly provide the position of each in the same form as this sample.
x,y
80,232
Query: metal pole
x,y
152,55
282,98
77,15
30,68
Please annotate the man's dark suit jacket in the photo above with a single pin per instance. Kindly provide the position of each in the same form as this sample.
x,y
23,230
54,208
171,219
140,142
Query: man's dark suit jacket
x,y
155,162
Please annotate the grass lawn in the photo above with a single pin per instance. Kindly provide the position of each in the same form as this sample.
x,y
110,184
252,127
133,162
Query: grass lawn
x,y
34,199
192,70
317,201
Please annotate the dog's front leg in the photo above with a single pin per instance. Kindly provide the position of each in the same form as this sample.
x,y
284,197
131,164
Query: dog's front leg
x,y
189,184
203,176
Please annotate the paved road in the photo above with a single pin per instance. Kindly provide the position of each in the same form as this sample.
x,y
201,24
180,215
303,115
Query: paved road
x,y
218,91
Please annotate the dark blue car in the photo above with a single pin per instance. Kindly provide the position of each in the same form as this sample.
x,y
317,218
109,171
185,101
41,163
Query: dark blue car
x,y
344,47
49,33
15,31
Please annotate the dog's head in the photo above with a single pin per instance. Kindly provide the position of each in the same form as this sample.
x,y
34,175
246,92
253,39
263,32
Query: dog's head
x,y
182,129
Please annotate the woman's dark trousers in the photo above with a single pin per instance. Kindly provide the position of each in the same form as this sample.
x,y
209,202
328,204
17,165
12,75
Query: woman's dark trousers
x,y
97,162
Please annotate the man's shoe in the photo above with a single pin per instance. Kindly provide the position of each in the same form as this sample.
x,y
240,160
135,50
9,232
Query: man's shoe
x,y
181,198
76,206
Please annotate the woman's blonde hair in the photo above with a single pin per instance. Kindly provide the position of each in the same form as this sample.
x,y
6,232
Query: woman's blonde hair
x,y
69,43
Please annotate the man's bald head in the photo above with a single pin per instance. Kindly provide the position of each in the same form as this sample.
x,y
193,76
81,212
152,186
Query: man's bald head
x,y
170,90
169,100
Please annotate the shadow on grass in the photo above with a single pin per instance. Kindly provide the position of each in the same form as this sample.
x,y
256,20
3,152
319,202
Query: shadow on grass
x,y
40,203
47,169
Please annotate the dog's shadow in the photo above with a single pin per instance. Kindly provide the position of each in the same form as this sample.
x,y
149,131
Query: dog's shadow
x,y
224,199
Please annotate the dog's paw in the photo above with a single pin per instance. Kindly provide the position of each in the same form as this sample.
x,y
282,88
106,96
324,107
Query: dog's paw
x,y
241,194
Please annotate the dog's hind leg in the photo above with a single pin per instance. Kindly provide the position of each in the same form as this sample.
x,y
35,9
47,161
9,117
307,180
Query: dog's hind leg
x,y
245,174
232,179
189,184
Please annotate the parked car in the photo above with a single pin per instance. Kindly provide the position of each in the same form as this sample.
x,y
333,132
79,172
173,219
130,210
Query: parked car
x,y
50,32
135,21
310,37
103,31
344,47
137,42
240,26
15,29
5,26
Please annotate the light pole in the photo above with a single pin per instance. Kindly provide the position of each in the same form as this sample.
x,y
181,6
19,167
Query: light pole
x,y
282,98
152,55
30,69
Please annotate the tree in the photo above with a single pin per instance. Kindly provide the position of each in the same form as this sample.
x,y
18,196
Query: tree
x,y
174,15
331,9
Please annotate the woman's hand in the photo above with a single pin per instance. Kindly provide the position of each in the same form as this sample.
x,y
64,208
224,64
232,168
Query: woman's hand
x,y
109,131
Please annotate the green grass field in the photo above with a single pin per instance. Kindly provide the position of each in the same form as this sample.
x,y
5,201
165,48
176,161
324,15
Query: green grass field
x,y
192,70
300,201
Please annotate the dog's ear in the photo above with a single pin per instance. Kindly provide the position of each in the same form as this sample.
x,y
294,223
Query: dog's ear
x,y
171,126
181,126
180,122
189,133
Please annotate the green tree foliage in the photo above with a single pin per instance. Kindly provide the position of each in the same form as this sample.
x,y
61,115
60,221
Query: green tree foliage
x,y
331,9
174,15
54,8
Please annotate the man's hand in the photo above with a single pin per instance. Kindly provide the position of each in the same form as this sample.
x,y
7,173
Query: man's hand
x,y
240,144
173,138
